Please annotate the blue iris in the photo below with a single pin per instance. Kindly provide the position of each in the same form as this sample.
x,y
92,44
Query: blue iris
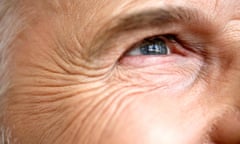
x,y
154,46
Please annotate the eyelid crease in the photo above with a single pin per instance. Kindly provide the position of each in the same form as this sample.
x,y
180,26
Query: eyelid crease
x,y
193,46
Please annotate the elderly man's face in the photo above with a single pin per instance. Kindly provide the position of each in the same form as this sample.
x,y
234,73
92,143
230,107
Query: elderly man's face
x,y
126,72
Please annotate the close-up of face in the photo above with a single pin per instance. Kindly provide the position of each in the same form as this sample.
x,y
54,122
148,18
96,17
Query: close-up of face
x,y
120,72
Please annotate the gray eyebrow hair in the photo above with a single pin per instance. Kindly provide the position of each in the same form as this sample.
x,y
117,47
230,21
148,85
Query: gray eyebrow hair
x,y
159,17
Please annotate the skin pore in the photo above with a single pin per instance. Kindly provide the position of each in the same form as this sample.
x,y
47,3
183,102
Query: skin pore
x,y
73,81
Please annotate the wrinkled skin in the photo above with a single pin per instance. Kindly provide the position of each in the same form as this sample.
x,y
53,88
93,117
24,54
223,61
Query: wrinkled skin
x,y
68,90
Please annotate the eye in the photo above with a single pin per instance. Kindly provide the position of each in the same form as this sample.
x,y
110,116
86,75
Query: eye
x,y
156,50
152,46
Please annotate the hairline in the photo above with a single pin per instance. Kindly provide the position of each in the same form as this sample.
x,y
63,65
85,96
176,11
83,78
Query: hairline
x,y
11,24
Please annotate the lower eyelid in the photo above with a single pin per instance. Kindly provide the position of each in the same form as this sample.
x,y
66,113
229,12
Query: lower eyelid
x,y
163,61
142,61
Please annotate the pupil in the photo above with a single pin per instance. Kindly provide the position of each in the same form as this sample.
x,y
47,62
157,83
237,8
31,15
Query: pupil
x,y
155,46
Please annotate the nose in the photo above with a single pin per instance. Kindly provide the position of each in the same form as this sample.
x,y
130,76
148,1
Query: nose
x,y
227,129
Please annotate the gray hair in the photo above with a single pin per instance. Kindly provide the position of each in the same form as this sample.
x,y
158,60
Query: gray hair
x,y
10,26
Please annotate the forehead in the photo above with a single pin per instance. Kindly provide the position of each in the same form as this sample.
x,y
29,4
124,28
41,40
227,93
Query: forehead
x,y
109,8
90,16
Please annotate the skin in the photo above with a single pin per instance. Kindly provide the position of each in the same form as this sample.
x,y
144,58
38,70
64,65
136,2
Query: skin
x,y
73,83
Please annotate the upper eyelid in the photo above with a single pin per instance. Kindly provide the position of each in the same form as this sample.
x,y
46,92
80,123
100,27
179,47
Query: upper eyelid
x,y
126,40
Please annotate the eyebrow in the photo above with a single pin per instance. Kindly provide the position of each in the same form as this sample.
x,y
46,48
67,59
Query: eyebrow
x,y
156,17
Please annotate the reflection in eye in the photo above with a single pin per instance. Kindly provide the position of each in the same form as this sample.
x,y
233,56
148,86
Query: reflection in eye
x,y
151,46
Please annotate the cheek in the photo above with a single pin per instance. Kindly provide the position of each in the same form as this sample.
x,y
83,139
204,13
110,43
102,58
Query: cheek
x,y
153,118
111,112
106,109
157,117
